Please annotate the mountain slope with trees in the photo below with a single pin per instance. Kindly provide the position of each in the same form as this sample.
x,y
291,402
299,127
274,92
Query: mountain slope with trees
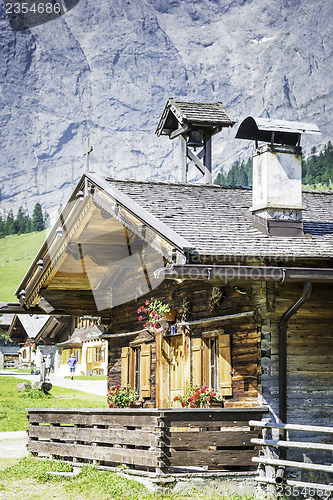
x,y
22,222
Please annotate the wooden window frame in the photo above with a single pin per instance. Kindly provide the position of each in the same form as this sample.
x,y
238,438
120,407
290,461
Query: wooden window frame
x,y
136,367
222,344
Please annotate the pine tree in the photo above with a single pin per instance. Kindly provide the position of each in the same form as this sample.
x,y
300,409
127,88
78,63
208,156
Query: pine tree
x,y
9,225
20,221
37,218
2,227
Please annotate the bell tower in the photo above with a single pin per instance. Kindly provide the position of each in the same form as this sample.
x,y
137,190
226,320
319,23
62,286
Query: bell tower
x,y
194,123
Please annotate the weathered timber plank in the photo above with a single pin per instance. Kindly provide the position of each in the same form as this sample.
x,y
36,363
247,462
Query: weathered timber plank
x,y
211,458
199,439
125,420
116,455
105,436
218,418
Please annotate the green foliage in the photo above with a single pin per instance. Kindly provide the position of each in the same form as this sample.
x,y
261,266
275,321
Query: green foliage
x,y
240,174
318,167
22,222
13,414
98,484
38,218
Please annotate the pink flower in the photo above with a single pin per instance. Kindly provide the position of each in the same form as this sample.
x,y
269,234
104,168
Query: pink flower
x,y
140,318
192,405
139,310
151,324
203,390
146,311
183,404
190,398
153,313
156,317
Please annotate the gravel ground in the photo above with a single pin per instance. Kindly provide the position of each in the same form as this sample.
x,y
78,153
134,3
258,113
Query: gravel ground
x,y
13,444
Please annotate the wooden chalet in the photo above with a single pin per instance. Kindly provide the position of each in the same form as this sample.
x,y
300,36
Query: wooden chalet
x,y
30,332
9,355
250,276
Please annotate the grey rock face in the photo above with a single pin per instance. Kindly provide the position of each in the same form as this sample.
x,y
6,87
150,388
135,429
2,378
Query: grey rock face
x,y
105,70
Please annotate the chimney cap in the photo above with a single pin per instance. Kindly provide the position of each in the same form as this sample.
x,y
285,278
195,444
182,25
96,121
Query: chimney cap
x,y
285,132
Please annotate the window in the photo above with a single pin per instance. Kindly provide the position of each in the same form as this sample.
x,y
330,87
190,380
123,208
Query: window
x,y
98,354
213,364
77,354
135,368
136,356
211,361
65,356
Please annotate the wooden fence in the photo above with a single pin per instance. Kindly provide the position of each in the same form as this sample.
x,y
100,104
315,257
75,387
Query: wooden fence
x,y
276,470
147,439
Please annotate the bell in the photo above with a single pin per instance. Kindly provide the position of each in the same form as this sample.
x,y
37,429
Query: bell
x,y
195,139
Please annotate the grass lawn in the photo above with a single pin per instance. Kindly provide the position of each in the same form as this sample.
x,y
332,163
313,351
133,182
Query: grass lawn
x,y
88,377
16,254
30,479
13,404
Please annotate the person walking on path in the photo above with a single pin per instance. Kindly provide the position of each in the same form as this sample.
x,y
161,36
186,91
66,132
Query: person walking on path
x,y
72,362
48,364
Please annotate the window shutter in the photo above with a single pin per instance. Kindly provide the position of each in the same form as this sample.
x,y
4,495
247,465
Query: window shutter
x,y
225,364
196,361
124,365
145,355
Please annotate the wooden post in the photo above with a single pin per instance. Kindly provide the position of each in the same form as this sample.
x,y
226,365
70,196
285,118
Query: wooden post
x,y
182,160
208,160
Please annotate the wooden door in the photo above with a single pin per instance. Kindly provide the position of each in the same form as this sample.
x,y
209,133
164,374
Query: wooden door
x,y
90,358
176,368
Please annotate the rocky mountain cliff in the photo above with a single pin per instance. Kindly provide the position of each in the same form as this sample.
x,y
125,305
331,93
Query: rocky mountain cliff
x,y
106,69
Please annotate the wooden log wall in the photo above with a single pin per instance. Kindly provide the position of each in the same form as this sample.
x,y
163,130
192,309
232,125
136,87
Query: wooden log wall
x,y
150,440
309,360
197,301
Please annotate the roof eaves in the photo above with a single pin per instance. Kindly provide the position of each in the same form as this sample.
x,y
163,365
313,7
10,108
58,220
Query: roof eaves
x,y
146,217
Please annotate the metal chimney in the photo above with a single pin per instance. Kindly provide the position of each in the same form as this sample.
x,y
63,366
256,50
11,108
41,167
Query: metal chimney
x,y
277,174
194,123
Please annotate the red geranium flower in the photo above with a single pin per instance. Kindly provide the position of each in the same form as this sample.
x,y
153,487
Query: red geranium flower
x,y
140,318
147,302
192,405
183,404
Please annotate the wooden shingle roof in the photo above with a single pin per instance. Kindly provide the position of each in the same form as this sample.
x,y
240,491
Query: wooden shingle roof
x,y
216,220
211,114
